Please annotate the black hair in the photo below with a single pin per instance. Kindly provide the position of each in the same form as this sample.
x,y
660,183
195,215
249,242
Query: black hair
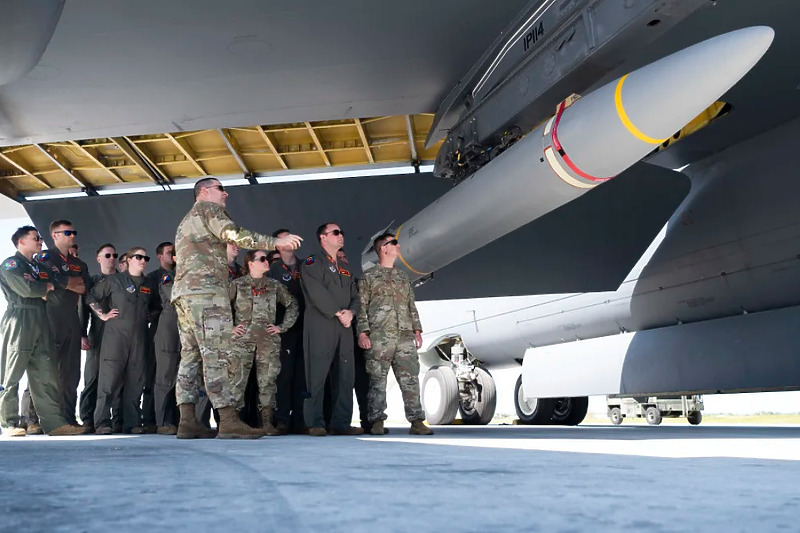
x,y
376,243
106,245
279,231
160,247
58,223
20,233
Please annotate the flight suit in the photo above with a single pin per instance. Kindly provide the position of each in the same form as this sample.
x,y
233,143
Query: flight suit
x,y
200,296
291,382
26,345
153,280
66,327
168,355
255,303
124,344
327,344
88,398
388,314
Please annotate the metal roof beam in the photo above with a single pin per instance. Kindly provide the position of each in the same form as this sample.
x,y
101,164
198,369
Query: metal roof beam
x,y
271,144
96,160
364,140
133,153
186,150
411,144
24,170
318,144
86,187
233,147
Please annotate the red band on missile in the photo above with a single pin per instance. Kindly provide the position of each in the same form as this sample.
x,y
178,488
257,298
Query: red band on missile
x,y
563,154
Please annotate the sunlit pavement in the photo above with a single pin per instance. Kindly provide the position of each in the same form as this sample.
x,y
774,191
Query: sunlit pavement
x,y
497,478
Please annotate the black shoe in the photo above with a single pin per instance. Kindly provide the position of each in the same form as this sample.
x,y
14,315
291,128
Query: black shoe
x,y
349,430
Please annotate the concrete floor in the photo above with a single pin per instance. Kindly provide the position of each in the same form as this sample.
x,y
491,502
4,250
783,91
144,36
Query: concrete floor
x,y
588,478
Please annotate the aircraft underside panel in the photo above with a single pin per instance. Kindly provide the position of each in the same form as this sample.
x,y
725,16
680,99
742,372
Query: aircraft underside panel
x,y
752,352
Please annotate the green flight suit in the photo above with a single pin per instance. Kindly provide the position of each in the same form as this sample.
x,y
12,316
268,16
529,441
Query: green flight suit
x,y
27,345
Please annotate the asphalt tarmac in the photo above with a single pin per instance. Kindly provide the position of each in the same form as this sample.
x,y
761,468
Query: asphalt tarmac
x,y
494,478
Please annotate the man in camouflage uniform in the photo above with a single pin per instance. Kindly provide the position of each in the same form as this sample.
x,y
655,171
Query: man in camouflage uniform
x,y
255,299
26,344
200,296
390,330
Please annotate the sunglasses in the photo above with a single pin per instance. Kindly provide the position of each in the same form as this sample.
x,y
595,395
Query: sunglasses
x,y
109,255
261,259
393,242
36,238
220,188
68,232
140,257
336,232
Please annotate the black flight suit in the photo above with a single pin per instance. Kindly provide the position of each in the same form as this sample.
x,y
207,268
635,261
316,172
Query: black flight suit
x,y
124,345
291,380
168,354
153,280
66,325
27,344
327,344
88,400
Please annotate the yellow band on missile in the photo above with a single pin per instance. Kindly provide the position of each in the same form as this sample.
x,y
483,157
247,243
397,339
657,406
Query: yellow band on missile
x,y
623,116
400,255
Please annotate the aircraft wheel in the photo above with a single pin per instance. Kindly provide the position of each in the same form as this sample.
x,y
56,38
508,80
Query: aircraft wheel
x,y
481,413
533,411
570,411
695,418
653,416
440,395
615,414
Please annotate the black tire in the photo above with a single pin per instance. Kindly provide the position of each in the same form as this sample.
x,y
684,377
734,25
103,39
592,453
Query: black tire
x,y
570,411
653,416
694,418
615,415
482,412
441,409
538,414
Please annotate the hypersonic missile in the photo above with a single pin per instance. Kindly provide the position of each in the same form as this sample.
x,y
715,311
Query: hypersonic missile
x,y
583,145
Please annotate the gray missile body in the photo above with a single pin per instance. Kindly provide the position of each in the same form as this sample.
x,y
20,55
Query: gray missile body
x,y
582,146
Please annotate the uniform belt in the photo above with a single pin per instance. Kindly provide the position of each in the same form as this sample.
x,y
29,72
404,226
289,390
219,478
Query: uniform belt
x,y
12,306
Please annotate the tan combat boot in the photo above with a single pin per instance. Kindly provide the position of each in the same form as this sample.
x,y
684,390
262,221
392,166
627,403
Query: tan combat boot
x,y
189,427
377,428
67,430
231,426
14,432
167,430
266,423
419,428
34,429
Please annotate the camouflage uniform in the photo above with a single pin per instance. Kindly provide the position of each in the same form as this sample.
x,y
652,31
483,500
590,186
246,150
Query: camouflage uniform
x,y
255,303
27,345
389,316
200,296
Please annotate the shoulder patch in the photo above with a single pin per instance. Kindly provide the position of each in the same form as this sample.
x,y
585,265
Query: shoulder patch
x,y
310,260
44,256
166,278
10,264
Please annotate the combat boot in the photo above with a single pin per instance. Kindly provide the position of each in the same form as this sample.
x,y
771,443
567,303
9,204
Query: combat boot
x,y
377,428
67,430
189,427
419,428
167,430
14,432
34,429
231,427
266,423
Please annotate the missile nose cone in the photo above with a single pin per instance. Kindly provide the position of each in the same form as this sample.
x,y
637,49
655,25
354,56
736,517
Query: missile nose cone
x,y
615,126
661,98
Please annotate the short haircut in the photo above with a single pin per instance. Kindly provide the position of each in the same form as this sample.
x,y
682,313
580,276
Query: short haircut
x,y
279,231
123,258
58,223
321,230
160,247
376,243
202,184
273,256
22,232
133,250
249,257
106,245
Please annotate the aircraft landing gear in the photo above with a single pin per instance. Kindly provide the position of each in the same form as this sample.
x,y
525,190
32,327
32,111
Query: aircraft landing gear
x,y
460,386
556,411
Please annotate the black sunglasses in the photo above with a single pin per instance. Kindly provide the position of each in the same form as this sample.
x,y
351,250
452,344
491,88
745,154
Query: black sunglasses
x,y
140,257
218,187
68,232
393,242
336,232
109,255
262,259
36,238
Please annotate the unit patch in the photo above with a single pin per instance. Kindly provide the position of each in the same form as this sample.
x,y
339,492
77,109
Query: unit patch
x,y
287,277
310,260
333,268
144,290
166,279
131,289
10,264
75,268
344,272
